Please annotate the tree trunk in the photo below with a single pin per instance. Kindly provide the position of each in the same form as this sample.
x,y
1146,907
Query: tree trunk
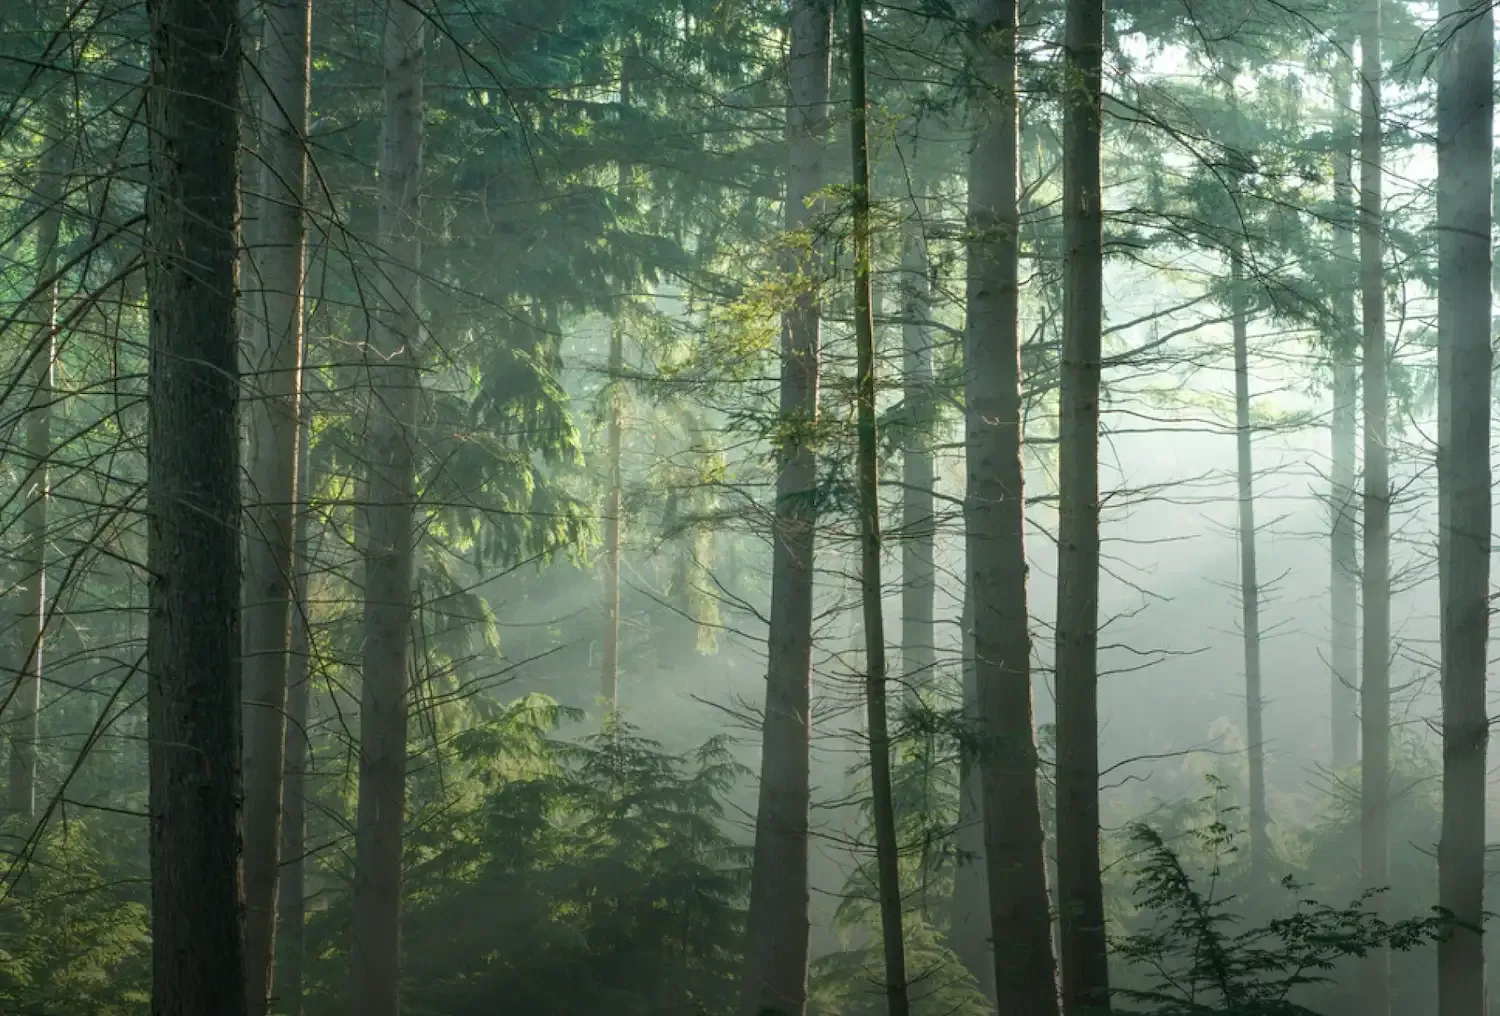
x,y
1466,113
918,532
32,588
776,947
1344,604
887,859
610,668
1375,688
1249,581
969,923
291,903
193,549
394,381
995,523
273,366
1085,966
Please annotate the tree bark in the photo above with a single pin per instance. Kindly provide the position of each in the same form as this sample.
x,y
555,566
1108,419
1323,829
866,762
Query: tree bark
x,y
969,922
776,948
1085,966
995,523
31,591
918,477
291,902
394,383
273,365
1343,539
1249,581
193,548
887,859
1375,693
1466,113
610,666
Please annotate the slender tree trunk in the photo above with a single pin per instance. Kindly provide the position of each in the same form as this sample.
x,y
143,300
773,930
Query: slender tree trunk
x,y
918,477
995,522
273,366
610,668
291,903
1344,650
1375,689
193,546
1085,966
887,859
1466,113
969,931
32,589
776,948
394,381
1249,581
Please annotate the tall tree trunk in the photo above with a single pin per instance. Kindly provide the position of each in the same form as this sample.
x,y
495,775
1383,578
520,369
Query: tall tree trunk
x,y
394,382
776,947
995,523
1085,961
1249,581
969,922
887,858
193,546
1375,686
1344,605
918,477
610,667
291,903
273,365
32,589
1466,113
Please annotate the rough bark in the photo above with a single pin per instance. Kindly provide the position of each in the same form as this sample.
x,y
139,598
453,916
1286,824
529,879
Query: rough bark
x,y
1085,967
969,921
193,544
918,532
1375,689
273,370
394,382
1249,580
1466,114
887,859
1343,539
995,524
776,948
291,890
31,590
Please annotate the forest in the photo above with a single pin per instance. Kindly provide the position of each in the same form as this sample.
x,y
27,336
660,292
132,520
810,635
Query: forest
x,y
746,507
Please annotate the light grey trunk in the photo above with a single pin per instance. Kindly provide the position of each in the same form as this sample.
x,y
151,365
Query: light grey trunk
x,y
887,857
1344,509
1466,113
1249,581
1375,688
31,591
969,930
392,363
1085,964
273,361
777,929
610,666
1025,971
918,532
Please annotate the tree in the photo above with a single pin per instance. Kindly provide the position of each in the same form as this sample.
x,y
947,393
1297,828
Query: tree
x,y
32,610
274,362
392,365
1465,115
193,554
1085,967
777,929
887,850
1375,691
995,528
